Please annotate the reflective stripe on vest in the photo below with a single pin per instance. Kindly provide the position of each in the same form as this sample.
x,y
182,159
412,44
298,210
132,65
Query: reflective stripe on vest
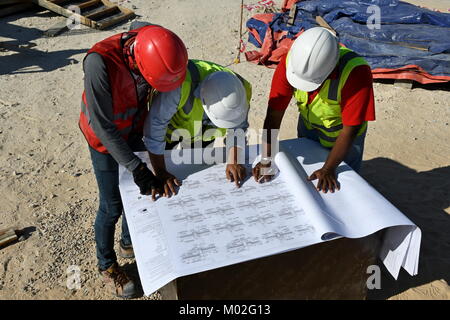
x,y
190,109
195,80
84,110
324,112
334,85
116,117
125,115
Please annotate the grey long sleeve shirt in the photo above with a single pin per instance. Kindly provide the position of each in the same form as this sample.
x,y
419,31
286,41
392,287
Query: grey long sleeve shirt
x,y
100,108
164,106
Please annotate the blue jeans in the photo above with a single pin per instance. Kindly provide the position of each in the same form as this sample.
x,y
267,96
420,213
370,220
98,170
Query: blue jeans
x,y
110,209
354,155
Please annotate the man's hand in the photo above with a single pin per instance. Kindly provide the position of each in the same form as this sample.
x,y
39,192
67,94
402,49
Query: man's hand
x,y
263,172
327,180
170,183
265,169
236,172
147,182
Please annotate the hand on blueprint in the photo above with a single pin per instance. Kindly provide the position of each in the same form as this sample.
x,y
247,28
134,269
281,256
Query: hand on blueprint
x,y
235,173
146,181
264,172
170,183
327,180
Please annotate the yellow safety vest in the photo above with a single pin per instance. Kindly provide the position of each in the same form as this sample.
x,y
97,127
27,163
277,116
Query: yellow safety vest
x,y
324,113
190,109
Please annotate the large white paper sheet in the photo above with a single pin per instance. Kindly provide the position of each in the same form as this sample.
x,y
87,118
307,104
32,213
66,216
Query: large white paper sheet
x,y
211,223
358,210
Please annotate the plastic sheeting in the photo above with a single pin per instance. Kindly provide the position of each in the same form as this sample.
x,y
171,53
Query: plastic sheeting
x,y
411,43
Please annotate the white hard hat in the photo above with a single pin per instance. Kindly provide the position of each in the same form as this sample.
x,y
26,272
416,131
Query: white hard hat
x,y
224,99
312,58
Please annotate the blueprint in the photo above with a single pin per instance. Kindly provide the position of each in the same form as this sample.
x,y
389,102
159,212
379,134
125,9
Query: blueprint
x,y
211,223
216,222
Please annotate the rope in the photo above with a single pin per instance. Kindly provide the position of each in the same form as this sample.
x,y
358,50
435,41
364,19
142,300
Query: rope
x,y
268,6
241,42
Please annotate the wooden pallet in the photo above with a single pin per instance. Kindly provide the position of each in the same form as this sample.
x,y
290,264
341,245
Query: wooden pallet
x,y
97,14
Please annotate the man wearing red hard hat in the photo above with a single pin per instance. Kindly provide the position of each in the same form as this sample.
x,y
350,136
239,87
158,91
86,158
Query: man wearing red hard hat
x,y
122,73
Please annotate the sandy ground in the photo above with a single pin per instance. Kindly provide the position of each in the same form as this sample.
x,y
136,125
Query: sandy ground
x,y
48,189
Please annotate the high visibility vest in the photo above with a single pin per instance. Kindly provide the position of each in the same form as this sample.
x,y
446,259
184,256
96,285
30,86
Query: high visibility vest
x,y
128,114
189,115
324,113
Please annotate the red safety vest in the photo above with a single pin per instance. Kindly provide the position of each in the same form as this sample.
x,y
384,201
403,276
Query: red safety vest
x,y
128,115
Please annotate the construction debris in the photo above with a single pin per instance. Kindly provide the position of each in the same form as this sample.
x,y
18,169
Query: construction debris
x,y
97,14
7,236
407,51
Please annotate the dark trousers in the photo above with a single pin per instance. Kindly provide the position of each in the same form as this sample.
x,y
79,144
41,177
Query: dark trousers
x,y
110,209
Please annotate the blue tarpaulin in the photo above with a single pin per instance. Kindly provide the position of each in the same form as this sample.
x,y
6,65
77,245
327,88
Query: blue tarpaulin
x,y
407,36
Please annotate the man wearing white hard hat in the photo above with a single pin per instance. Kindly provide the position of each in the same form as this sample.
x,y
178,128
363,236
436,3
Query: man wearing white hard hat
x,y
333,90
211,100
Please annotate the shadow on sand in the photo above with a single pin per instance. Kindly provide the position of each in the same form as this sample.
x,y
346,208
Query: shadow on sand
x,y
24,56
422,197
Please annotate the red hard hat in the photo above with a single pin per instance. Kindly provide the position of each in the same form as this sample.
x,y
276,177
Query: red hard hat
x,y
161,57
